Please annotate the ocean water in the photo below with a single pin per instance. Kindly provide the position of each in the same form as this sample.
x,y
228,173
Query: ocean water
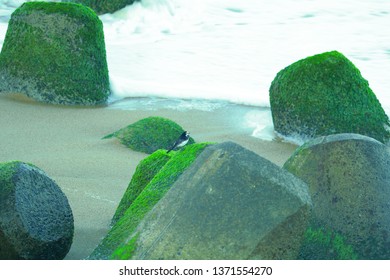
x,y
207,51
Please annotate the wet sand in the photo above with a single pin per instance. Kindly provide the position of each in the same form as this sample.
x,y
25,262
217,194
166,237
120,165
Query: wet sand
x,y
66,143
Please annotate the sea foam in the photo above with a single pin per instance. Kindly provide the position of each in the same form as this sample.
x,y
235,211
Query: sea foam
x,y
231,50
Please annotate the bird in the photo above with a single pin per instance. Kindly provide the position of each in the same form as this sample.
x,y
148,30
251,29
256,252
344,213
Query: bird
x,y
181,141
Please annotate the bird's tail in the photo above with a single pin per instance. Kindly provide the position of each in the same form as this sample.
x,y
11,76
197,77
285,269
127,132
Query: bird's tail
x,y
171,148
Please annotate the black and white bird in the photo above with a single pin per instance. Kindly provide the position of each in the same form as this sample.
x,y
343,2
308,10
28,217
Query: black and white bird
x,y
181,141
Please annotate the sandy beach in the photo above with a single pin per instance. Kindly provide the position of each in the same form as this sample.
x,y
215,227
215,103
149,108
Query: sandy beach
x,y
66,143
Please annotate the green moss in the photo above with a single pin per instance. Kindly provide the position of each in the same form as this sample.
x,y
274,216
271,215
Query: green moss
x,y
149,134
104,6
126,251
55,52
321,244
326,94
77,11
7,170
145,171
121,233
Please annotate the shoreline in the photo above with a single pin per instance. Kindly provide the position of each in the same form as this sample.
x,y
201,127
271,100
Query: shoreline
x,y
66,143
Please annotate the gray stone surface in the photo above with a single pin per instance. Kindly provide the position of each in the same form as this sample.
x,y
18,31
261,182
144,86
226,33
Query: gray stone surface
x,y
349,182
230,204
36,221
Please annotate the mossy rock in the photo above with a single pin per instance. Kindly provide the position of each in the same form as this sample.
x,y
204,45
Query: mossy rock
x,y
322,244
229,204
55,53
150,134
36,221
349,182
144,173
104,6
325,94
117,242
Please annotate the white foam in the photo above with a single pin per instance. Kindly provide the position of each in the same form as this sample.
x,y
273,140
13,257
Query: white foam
x,y
231,50
261,123
13,4
153,104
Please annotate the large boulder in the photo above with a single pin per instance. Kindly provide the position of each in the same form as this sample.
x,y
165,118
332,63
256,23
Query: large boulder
x,y
149,135
325,94
55,53
349,182
36,221
229,204
104,6
138,202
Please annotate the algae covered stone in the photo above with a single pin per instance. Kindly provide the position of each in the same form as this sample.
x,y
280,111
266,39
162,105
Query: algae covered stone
x,y
349,182
149,134
229,204
36,221
144,173
325,94
104,6
55,53
117,243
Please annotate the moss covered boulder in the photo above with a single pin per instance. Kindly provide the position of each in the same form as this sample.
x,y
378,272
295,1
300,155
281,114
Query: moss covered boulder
x,y
150,134
229,204
36,221
104,6
55,53
349,182
117,243
325,94
146,170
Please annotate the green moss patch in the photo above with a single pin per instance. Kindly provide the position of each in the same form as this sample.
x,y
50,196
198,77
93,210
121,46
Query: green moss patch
x,y
7,170
326,94
116,244
55,53
149,134
321,244
146,170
